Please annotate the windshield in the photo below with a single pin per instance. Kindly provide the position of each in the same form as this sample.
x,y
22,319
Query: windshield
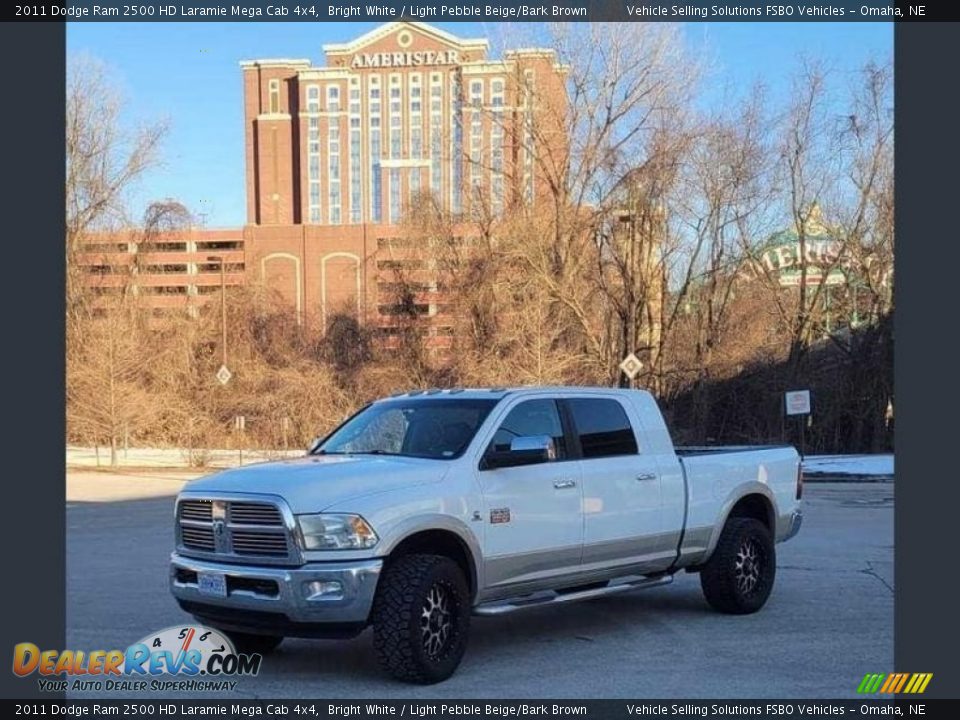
x,y
439,428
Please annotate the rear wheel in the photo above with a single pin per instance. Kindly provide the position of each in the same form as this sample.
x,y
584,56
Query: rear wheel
x,y
739,576
421,617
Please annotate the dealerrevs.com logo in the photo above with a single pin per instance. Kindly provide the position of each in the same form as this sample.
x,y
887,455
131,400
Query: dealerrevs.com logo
x,y
202,658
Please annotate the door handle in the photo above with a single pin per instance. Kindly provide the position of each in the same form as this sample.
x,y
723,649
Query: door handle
x,y
644,477
564,484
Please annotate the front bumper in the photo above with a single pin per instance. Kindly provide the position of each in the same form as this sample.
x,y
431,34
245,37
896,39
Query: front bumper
x,y
793,526
258,596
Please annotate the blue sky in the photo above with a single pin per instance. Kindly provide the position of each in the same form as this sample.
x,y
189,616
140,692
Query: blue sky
x,y
188,73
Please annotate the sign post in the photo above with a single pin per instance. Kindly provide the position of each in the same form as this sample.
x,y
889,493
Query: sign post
x,y
797,403
240,424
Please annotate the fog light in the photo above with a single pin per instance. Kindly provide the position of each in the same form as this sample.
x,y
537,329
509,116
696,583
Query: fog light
x,y
323,590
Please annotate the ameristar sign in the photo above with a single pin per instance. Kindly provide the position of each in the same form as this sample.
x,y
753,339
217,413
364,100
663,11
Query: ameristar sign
x,y
405,59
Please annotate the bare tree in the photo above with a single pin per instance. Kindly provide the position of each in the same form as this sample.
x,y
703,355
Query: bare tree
x,y
865,219
106,398
604,145
723,202
105,157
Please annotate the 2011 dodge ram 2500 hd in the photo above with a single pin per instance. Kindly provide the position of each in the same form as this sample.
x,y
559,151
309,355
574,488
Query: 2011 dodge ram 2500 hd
x,y
425,508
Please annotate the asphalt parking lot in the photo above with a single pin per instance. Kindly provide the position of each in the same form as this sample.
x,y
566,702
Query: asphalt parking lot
x,y
829,620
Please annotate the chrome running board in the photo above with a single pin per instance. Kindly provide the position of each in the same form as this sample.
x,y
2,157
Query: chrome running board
x,y
502,607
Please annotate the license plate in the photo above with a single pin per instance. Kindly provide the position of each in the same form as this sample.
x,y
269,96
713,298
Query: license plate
x,y
212,583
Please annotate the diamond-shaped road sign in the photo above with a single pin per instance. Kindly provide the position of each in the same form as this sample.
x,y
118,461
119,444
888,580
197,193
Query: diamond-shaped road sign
x,y
224,375
631,366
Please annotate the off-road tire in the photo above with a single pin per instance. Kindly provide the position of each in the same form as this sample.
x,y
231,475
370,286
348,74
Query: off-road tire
x,y
247,643
408,622
738,577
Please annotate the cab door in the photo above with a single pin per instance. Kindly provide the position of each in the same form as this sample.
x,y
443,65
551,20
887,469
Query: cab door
x,y
622,493
532,512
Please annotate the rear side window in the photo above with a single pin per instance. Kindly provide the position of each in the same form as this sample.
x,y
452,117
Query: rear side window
x,y
603,427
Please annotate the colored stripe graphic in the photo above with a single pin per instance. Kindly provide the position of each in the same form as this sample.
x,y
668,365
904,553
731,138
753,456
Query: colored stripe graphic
x,y
871,682
894,683
891,680
918,683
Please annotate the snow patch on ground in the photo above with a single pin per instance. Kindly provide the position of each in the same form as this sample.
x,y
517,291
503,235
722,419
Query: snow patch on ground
x,y
848,465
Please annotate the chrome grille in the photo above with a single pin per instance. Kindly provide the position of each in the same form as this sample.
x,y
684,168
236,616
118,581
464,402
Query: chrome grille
x,y
253,542
201,510
198,538
246,513
232,529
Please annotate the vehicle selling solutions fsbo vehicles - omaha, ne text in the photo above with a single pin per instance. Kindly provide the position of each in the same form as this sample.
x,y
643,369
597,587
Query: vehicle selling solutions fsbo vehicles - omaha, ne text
x,y
425,508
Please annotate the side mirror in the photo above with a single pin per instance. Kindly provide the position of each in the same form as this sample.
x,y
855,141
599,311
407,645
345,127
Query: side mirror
x,y
526,450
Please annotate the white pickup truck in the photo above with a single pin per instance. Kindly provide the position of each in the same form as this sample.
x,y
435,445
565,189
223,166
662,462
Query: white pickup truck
x,y
427,507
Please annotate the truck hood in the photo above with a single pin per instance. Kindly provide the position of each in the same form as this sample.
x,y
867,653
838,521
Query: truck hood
x,y
314,483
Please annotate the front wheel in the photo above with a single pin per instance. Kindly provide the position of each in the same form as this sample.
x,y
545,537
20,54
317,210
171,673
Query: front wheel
x,y
421,618
739,576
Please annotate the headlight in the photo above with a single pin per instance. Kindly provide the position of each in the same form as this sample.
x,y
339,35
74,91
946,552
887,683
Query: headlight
x,y
336,532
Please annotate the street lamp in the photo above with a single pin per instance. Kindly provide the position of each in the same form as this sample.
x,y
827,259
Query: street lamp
x,y
223,303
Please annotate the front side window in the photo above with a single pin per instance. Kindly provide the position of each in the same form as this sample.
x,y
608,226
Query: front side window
x,y
603,427
439,429
531,418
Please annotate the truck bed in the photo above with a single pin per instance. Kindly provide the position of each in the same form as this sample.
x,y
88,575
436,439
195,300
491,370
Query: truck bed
x,y
717,476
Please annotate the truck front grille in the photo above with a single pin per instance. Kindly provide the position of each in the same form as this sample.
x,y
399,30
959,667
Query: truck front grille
x,y
198,538
254,542
234,529
247,513
196,510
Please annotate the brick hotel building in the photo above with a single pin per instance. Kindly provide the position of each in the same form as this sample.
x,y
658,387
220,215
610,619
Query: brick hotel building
x,y
335,155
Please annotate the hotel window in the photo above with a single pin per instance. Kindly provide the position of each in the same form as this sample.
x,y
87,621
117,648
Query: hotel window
x,y
476,140
274,96
333,165
394,195
416,133
496,146
376,181
395,93
496,92
396,136
456,144
315,202
396,146
313,99
436,134
313,168
356,178
356,167
333,98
